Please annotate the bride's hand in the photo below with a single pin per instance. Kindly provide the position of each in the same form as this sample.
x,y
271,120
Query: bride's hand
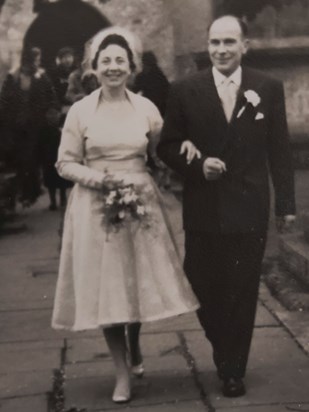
x,y
191,151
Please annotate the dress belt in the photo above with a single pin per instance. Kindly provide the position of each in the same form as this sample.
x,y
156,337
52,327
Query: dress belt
x,y
136,165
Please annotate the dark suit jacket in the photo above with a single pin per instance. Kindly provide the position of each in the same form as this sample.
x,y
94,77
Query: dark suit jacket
x,y
239,201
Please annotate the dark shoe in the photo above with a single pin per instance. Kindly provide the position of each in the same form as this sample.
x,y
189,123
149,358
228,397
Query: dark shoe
x,y
233,387
52,207
63,203
63,198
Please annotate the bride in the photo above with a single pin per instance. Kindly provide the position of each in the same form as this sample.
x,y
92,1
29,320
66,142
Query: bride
x,y
133,274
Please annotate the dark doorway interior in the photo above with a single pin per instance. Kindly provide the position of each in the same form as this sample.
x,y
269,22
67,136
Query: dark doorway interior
x,y
64,23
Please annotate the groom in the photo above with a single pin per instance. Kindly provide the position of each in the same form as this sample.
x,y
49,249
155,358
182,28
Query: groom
x,y
236,117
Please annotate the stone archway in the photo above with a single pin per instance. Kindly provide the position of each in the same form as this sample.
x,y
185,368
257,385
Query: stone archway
x,y
64,23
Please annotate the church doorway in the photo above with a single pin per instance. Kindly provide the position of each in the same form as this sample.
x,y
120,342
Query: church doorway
x,y
63,23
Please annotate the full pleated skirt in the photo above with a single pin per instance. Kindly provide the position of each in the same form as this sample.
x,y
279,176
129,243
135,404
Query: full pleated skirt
x,y
109,277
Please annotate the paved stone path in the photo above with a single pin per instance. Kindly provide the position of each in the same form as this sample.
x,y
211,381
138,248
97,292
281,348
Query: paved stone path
x,y
179,375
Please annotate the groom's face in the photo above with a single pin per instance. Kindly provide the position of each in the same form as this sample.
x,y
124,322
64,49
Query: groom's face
x,y
226,45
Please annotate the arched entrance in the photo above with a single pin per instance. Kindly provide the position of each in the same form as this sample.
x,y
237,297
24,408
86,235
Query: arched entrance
x,y
64,23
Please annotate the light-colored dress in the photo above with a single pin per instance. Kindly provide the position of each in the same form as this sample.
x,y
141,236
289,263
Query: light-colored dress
x,y
131,275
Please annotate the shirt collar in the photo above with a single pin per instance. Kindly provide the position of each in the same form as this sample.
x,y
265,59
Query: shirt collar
x,y
97,95
219,78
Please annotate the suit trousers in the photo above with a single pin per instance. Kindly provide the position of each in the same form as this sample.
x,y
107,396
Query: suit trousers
x,y
224,271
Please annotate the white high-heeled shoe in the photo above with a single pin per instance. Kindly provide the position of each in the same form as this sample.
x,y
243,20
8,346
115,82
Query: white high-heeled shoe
x,y
121,396
122,391
138,370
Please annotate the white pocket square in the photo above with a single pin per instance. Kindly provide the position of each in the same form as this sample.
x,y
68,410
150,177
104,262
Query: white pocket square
x,y
259,116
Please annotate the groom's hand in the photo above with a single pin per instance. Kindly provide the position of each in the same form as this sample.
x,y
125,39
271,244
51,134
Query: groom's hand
x,y
213,168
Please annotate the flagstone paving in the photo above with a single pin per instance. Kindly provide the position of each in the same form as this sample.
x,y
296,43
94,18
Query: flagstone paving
x,y
179,375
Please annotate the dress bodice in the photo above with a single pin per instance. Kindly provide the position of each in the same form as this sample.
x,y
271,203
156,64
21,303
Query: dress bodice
x,y
117,135
95,138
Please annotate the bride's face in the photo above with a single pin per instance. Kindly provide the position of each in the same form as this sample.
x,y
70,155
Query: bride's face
x,y
113,67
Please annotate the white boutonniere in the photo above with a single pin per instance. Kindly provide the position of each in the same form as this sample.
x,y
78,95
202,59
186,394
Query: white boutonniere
x,y
259,116
252,98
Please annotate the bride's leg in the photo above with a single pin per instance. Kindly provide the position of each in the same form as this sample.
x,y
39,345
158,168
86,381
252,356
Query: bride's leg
x,y
116,341
133,332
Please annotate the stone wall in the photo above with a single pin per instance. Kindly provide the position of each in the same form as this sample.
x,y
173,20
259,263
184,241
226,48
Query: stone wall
x,y
190,21
289,20
149,19
283,32
15,18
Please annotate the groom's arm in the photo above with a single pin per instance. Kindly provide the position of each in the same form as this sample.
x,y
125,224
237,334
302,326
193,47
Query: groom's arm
x,y
174,132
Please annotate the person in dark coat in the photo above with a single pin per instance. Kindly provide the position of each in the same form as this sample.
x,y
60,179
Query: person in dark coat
x,y
151,82
27,93
65,65
81,83
236,117
50,135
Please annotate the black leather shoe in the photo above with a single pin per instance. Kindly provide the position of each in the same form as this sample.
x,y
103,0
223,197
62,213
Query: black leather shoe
x,y
233,387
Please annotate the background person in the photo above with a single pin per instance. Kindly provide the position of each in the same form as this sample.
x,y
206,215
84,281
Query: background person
x,y
81,83
151,82
65,65
49,143
26,95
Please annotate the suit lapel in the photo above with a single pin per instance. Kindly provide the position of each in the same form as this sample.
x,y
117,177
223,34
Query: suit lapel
x,y
241,100
211,111
210,93
239,128
233,137
208,104
208,97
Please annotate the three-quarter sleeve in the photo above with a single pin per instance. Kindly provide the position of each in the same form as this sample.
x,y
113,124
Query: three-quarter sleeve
x,y
155,126
155,119
70,164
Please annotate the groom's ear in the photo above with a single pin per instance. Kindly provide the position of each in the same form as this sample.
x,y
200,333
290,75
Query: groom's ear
x,y
246,45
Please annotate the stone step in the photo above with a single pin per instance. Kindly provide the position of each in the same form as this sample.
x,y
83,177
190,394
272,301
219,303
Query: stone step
x,y
294,255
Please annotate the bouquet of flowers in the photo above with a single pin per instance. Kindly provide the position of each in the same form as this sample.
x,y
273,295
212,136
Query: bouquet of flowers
x,y
122,203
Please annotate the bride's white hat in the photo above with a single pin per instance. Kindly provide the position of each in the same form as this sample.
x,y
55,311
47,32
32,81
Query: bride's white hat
x,y
133,41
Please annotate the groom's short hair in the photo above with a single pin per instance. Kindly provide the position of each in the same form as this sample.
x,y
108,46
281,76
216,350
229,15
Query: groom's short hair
x,y
242,24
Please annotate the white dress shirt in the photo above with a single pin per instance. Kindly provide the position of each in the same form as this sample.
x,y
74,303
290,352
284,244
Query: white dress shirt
x,y
227,88
220,79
